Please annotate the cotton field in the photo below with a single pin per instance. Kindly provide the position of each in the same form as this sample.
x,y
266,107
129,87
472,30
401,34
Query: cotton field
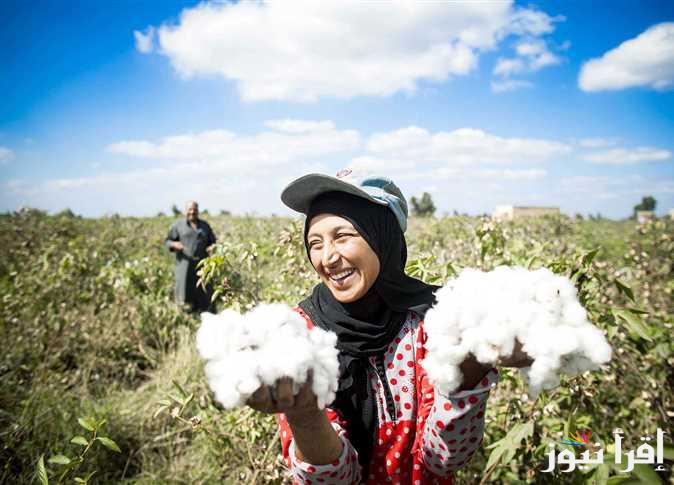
x,y
92,334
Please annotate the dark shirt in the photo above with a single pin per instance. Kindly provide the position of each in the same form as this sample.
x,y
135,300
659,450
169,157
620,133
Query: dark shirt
x,y
195,242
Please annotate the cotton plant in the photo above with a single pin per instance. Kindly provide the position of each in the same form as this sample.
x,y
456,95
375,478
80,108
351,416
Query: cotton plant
x,y
484,313
270,342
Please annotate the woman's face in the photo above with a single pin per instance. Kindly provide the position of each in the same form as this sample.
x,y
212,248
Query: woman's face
x,y
342,258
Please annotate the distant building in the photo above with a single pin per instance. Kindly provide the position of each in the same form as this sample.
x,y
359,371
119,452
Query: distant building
x,y
510,212
643,216
671,214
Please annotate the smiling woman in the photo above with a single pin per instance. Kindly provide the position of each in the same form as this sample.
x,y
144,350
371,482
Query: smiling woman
x,y
387,422
342,258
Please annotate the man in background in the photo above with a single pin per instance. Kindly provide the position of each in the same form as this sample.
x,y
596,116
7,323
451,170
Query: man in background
x,y
190,238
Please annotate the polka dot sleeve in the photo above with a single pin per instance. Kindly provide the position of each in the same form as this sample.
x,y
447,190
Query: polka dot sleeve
x,y
344,470
455,427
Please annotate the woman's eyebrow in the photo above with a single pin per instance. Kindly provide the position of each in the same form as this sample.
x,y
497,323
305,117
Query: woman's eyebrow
x,y
335,229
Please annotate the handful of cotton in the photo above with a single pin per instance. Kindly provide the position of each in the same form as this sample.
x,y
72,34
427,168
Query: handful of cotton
x,y
267,343
484,312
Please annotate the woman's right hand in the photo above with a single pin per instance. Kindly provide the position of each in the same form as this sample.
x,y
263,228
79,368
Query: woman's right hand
x,y
316,440
281,399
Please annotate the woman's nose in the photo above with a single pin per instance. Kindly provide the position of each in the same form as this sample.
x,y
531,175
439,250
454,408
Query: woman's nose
x,y
330,255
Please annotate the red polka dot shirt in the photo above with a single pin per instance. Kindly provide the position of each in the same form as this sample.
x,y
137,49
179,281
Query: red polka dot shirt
x,y
421,439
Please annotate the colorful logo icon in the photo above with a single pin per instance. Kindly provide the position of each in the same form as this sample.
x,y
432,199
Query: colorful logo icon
x,y
579,439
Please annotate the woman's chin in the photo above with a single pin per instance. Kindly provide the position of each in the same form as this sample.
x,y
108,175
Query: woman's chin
x,y
347,296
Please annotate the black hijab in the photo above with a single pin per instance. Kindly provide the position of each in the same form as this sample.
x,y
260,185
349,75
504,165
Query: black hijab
x,y
367,326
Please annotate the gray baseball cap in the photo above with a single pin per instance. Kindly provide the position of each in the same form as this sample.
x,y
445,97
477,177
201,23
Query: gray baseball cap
x,y
300,193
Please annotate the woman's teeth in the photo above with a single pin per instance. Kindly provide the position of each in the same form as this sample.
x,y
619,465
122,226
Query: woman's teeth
x,y
342,275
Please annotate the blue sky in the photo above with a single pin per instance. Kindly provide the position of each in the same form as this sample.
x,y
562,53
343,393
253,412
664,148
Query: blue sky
x,y
130,107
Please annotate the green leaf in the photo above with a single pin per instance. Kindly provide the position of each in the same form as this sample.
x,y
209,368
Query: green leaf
x,y
506,448
79,440
189,399
87,423
575,276
80,480
42,472
519,432
164,402
88,477
624,289
59,460
589,256
668,452
569,428
601,475
638,311
159,410
646,474
530,261
495,456
633,323
617,479
108,443
493,445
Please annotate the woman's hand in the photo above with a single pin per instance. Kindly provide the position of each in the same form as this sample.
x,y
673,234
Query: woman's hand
x,y
280,398
315,439
517,359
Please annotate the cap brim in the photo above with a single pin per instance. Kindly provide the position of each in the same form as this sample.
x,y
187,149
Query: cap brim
x,y
299,194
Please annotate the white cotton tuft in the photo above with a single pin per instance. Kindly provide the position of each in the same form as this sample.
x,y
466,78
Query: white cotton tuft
x,y
483,313
269,342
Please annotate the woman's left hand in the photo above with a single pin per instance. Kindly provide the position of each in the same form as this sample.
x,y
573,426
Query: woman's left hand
x,y
517,359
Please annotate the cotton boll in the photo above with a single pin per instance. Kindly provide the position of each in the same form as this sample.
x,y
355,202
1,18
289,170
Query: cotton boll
x,y
499,335
576,363
269,342
483,313
212,335
567,291
486,352
595,346
574,313
546,293
565,338
449,378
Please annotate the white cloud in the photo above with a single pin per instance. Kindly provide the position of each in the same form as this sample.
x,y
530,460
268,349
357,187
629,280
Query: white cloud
x,y
530,174
472,171
627,156
144,40
465,146
302,50
299,126
510,85
532,55
240,189
508,66
537,54
5,155
533,22
288,140
597,142
364,165
629,187
646,60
